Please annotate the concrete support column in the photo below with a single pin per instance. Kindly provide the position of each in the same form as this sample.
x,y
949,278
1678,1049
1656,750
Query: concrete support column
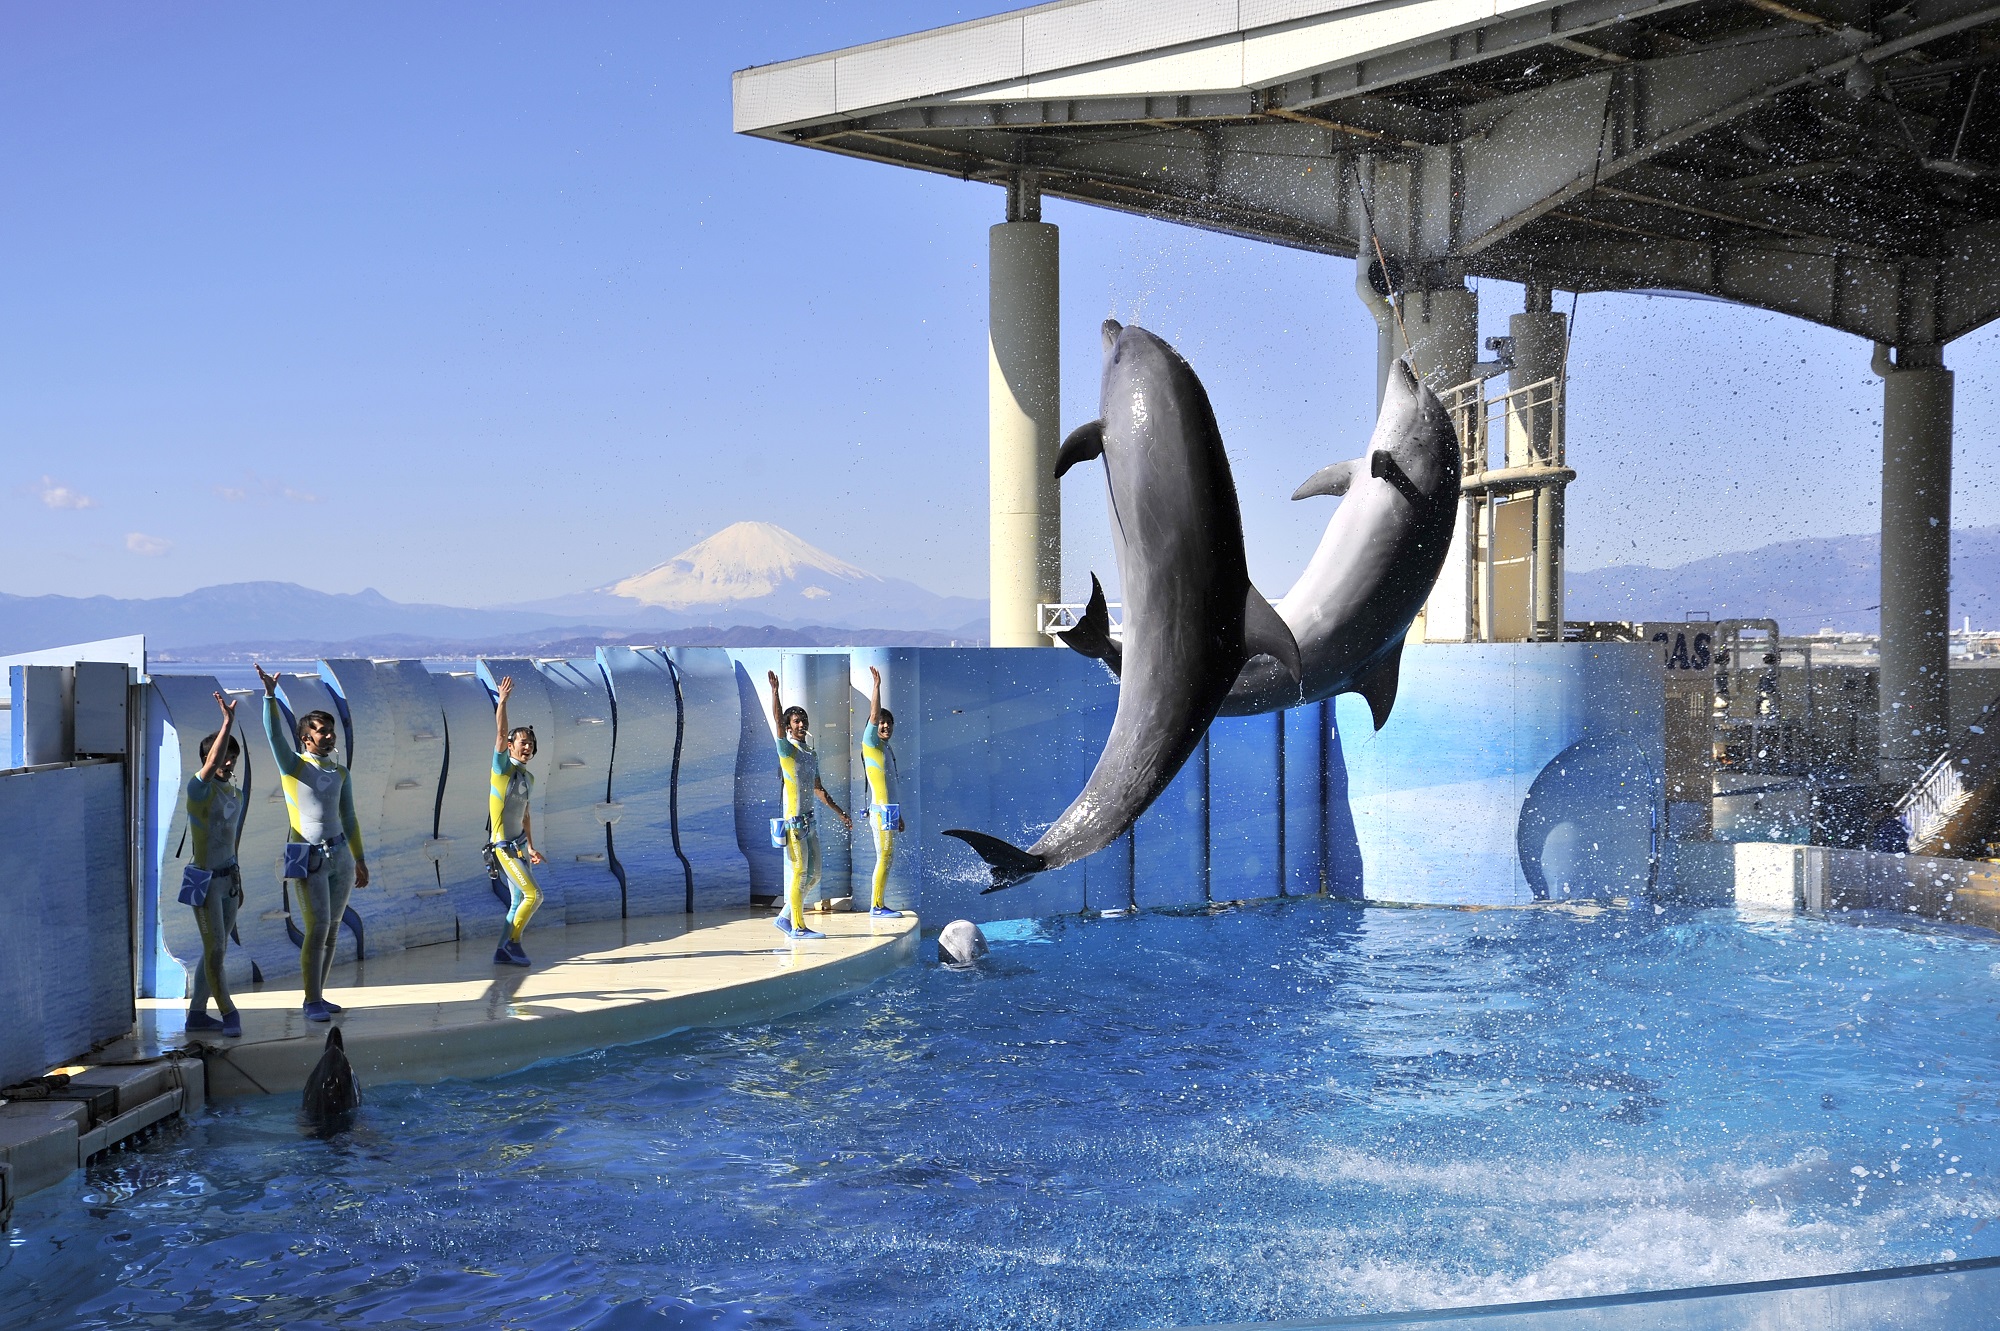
x,y
1444,336
1916,559
1023,398
1535,438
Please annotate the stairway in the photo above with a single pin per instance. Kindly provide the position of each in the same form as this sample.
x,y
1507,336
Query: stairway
x,y
1953,809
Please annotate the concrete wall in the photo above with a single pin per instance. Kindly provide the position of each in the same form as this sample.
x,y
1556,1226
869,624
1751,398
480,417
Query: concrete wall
x,y
66,951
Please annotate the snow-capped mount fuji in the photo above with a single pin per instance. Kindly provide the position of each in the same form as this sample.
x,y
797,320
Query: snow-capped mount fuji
x,y
759,573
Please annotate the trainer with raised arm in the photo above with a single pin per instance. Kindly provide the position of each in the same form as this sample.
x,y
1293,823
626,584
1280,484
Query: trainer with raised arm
x,y
214,884
878,760
513,843
323,861
800,765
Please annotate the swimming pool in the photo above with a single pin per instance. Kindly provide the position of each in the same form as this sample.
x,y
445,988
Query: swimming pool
x,y
1290,1110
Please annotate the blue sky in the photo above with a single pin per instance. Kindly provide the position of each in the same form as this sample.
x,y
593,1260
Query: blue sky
x,y
483,302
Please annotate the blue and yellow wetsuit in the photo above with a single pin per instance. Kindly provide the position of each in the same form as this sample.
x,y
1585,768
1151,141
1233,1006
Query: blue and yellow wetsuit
x,y
800,766
878,759
507,810
319,798
215,812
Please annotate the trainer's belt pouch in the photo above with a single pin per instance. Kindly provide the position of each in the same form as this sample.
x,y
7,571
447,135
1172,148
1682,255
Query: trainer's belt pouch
x,y
888,815
778,826
194,886
303,859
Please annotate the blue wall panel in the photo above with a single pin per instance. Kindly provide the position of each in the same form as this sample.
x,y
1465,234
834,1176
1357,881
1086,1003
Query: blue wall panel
x,y
530,706
65,956
1437,794
1301,798
759,789
1009,737
461,813
902,692
1245,808
648,720
185,707
572,784
712,715
820,683
397,729
1170,843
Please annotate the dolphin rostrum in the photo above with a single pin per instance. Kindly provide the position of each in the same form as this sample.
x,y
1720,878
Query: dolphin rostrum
x,y
1351,608
332,1091
1192,618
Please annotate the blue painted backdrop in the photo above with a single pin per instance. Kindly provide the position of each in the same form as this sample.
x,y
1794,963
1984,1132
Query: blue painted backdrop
x,y
1504,768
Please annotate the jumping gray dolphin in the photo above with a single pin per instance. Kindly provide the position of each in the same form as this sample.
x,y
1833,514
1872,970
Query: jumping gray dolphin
x,y
1192,617
332,1092
1351,608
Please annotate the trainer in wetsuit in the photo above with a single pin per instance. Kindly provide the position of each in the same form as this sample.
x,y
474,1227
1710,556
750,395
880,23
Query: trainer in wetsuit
x,y
326,839
513,826
215,813
800,766
878,760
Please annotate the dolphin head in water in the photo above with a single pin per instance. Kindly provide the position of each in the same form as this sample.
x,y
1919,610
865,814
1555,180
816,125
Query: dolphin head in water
x,y
332,1091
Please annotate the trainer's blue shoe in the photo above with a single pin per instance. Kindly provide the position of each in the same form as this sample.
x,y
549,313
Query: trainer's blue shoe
x,y
201,1021
785,927
884,913
232,1024
508,954
317,1011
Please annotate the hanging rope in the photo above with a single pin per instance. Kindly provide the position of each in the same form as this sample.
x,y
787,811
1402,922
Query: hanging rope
x,y
1382,261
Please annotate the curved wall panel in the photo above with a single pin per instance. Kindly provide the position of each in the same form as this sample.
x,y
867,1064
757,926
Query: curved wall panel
x,y
712,721
572,784
642,776
461,812
186,704
530,706
759,789
397,730
902,694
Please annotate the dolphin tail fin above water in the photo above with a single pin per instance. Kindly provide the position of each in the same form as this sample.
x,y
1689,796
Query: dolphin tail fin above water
x,y
1329,480
1092,634
1085,442
1009,864
1380,686
1266,634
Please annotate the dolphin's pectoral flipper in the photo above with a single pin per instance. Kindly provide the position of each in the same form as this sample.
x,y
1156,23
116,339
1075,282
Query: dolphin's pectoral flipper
x,y
1092,634
1009,864
1085,442
1265,634
1329,480
1384,467
1380,687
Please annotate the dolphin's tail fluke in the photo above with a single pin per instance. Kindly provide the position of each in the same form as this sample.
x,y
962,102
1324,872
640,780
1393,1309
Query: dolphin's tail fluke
x,y
1009,864
1092,634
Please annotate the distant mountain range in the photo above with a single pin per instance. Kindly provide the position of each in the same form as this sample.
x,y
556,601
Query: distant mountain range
x,y
752,584
1806,585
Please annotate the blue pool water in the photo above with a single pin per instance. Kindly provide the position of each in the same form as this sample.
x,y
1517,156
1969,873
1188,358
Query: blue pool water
x,y
1290,1110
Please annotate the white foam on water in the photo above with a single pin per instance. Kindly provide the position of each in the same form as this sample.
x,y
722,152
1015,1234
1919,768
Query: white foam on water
x,y
1582,1225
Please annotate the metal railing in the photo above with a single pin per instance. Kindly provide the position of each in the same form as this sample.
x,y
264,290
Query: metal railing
x,y
1056,617
1933,798
1528,421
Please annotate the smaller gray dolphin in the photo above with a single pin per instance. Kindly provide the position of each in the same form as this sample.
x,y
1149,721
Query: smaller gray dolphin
x,y
332,1092
1351,608
961,943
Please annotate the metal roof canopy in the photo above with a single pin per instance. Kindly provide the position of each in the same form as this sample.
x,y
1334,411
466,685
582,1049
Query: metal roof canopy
x,y
1838,160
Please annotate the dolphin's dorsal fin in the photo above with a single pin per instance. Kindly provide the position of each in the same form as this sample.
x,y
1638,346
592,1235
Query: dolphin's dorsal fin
x,y
1380,687
1265,634
1092,634
1085,442
1332,480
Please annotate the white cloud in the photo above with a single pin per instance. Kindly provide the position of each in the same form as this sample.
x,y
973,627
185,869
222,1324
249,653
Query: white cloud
x,y
61,496
151,546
